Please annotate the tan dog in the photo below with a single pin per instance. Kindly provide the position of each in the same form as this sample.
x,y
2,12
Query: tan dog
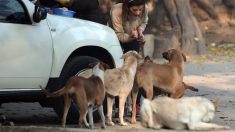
x,y
86,92
187,112
119,82
168,77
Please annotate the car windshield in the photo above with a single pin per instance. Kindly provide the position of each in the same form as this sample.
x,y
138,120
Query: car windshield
x,y
12,11
8,7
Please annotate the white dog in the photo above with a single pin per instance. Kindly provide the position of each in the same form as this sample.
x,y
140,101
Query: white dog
x,y
119,82
188,112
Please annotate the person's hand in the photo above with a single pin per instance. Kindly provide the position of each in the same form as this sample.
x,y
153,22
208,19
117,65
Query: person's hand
x,y
134,34
141,36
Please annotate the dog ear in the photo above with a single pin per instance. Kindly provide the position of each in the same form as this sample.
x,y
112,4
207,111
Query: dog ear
x,y
105,66
184,57
131,53
91,65
138,56
216,103
123,56
147,59
165,55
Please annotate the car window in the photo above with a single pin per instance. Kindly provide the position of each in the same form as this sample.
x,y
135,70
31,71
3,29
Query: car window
x,y
13,11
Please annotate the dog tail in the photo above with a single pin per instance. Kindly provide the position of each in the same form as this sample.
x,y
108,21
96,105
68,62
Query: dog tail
x,y
216,103
190,87
146,101
57,93
193,88
146,104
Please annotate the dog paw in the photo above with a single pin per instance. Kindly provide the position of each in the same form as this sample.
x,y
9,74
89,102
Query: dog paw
x,y
103,126
86,125
133,121
124,124
91,127
110,123
157,127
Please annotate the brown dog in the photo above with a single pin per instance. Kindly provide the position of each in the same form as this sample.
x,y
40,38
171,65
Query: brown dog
x,y
119,82
168,77
86,92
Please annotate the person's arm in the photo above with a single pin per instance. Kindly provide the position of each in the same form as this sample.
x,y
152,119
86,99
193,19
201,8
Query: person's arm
x,y
142,27
116,18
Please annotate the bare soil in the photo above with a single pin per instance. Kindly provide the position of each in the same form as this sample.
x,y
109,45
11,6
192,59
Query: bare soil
x,y
215,79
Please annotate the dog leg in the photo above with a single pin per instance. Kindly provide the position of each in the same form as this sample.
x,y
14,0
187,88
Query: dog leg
x,y
206,126
82,105
90,114
85,120
149,91
134,94
110,109
67,104
122,100
82,113
101,113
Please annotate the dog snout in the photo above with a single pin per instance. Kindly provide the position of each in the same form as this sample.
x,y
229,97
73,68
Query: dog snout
x,y
148,59
165,55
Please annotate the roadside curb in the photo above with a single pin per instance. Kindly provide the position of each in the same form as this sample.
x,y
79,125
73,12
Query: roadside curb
x,y
59,129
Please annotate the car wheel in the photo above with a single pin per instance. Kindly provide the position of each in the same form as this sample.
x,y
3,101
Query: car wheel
x,y
75,66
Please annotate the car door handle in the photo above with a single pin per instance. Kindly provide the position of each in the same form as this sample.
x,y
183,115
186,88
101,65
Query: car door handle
x,y
53,29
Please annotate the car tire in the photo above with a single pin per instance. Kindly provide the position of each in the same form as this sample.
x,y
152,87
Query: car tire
x,y
71,68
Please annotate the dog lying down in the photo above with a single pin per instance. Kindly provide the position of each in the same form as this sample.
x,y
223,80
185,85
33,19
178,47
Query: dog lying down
x,y
86,92
191,113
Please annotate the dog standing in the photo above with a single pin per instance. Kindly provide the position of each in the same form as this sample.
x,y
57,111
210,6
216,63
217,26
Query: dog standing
x,y
119,82
168,77
86,92
187,112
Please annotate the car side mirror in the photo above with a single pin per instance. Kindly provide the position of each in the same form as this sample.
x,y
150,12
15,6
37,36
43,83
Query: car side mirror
x,y
39,14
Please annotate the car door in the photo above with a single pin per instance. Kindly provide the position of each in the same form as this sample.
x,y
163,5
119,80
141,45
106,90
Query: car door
x,y
25,48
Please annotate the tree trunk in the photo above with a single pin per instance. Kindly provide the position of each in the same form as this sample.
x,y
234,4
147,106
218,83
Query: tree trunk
x,y
192,41
184,25
206,6
163,42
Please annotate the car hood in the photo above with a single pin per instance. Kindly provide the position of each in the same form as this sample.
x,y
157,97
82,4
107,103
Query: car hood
x,y
60,25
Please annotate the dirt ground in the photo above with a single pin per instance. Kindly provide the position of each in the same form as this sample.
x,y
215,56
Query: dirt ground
x,y
215,79
213,74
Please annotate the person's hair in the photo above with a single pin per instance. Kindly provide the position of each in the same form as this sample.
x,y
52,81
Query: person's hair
x,y
127,4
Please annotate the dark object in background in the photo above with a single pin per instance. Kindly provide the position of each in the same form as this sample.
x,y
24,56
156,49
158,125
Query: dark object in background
x,y
230,4
88,10
85,9
50,3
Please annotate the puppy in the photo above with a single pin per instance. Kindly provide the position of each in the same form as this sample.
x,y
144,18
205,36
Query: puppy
x,y
119,82
86,92
168,77
191,113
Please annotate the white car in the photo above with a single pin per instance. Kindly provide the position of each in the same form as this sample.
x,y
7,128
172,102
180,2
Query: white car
x,y
43,50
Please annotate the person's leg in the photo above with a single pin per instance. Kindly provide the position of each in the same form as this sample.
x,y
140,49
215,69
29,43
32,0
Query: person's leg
x,y
133,45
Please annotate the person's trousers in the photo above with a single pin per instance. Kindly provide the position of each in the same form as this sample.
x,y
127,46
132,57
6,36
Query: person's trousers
x,y
133,45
